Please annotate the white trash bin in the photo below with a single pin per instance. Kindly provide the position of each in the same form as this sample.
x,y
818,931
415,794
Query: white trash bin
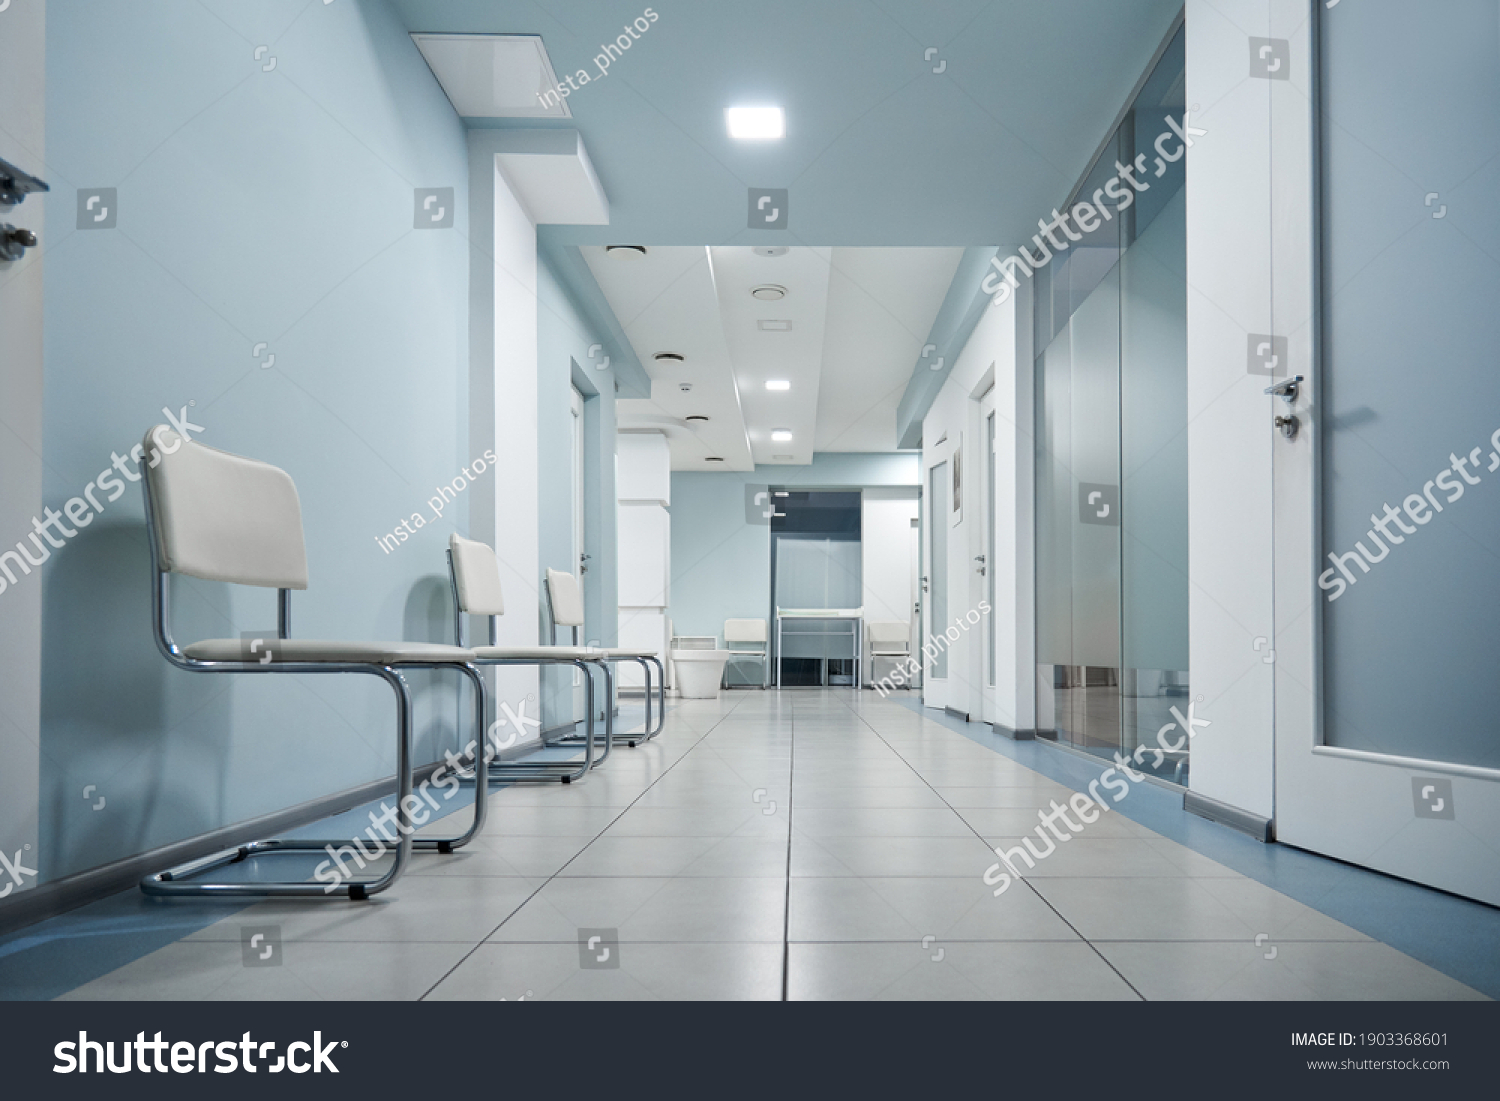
x,y
699,666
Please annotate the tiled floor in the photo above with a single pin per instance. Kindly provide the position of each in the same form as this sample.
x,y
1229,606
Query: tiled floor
x,y
806,845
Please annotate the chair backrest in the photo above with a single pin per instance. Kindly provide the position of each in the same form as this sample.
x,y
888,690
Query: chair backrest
x,y
476,577
744,630
565,599
223,517
890,636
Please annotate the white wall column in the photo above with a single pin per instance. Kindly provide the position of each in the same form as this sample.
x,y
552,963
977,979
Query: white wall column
x,y
1230,525
644,486
503,403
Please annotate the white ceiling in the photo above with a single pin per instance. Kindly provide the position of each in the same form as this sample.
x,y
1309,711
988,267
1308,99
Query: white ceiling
x,y
858,316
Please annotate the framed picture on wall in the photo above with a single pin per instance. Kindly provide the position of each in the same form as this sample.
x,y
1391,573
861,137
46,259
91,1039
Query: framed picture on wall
x,y
958,480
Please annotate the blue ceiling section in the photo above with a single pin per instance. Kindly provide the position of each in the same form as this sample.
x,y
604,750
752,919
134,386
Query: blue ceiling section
x,y
880,149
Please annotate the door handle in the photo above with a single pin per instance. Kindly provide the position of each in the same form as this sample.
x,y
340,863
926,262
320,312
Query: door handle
x,y
14,242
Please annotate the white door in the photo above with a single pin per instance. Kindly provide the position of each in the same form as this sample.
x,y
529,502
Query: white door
x,y
990,711
914,679
579,557
1387,500
935,583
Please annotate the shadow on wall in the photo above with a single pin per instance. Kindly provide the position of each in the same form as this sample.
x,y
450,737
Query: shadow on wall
x,y
443,707
110,744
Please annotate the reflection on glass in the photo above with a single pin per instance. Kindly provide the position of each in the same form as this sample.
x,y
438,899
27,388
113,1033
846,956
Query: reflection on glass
x,y
1111,455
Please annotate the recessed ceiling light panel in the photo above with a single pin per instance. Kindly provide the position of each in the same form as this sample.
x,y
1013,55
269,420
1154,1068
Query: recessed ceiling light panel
x,y
494,75
769,325
781,435
778,384
755,123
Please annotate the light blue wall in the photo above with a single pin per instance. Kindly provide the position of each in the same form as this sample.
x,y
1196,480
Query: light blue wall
x,y
563,341
253,206
721,560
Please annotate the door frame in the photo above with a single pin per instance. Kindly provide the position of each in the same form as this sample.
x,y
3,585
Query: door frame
x,y
578,492
934,512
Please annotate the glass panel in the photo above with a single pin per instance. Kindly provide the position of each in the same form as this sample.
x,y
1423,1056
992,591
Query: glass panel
x,y
818,573
1410,398
937,585
1111,465
1154,489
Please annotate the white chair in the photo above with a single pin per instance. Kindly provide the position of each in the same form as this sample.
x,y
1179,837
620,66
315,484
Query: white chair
x,y
474,577
751,636
222,517
565,609
889,639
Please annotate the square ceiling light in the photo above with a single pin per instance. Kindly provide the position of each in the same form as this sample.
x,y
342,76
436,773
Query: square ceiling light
x,y
778,384
494,75
755,123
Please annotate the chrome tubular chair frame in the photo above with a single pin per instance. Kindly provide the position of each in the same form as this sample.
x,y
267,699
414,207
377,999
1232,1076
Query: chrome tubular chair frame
x,y
605,658
180,881
508,772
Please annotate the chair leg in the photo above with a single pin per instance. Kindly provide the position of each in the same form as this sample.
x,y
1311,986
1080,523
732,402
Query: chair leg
x,y
610,737
481,774
180,882
661,696
517,772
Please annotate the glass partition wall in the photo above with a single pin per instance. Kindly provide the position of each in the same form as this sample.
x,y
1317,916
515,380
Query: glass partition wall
x,y
1111,442
816,563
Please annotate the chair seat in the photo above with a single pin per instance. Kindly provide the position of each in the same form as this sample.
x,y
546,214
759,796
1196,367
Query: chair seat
x,y
538,653
322,650
559,653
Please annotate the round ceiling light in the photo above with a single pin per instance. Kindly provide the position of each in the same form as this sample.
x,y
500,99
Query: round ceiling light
x,y
769,292
713,459
770,250
625,252
669,357
697,417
